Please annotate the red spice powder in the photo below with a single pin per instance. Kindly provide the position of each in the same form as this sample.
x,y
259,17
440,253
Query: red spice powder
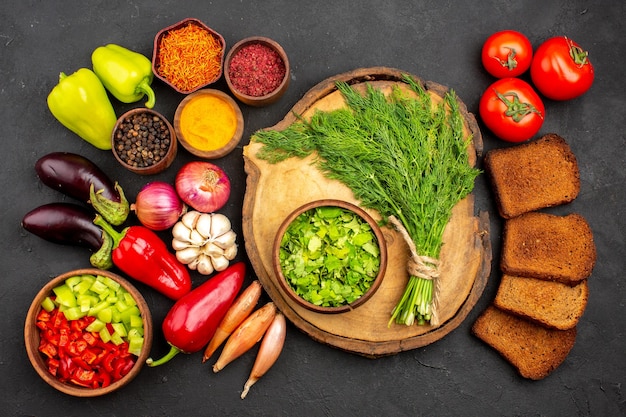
x,y
256,70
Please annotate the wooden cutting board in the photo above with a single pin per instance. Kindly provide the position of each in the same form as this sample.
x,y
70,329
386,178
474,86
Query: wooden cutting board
x,y
274,190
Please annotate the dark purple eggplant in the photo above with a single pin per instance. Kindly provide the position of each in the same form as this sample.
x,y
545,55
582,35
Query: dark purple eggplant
x,y
70,224
78,177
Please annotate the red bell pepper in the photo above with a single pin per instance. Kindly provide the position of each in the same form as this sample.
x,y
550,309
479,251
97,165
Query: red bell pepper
x,y
192,321
140,253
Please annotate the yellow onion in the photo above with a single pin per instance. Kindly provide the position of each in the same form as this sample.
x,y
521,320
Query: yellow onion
x,y
158,206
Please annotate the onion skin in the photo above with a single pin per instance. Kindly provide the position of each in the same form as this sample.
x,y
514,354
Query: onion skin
x,y
157,206
203,186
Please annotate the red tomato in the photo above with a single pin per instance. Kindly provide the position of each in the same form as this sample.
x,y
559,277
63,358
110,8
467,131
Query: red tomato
x,y
561,69
507,54
512,110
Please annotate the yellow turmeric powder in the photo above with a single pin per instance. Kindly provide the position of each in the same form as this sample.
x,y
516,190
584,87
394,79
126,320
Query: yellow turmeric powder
x,y
208,122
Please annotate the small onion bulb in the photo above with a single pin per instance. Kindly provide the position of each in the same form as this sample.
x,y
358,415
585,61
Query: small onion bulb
x,y
158,206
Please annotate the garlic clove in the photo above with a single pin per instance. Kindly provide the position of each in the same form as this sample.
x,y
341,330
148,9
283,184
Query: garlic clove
x,y
230,252
212,250
190,218
220,263
178,244
196,238
225,240
187,255
219,224
205,266
203,225
194,264
181,232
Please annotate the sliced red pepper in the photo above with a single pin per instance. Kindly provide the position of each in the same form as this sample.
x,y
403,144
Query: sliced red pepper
x,y
104,378
43,315
53,365
48,349
108,362
89,338
83,377
89,356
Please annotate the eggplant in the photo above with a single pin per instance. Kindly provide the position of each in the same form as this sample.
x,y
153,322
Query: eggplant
x,y
71,224
78,177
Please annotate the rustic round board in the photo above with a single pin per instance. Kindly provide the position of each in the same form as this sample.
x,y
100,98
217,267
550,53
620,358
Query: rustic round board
x,y
274,190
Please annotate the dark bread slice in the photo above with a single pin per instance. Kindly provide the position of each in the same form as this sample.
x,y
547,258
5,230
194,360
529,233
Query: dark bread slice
x,y
535,351
548,303
535,175
546,246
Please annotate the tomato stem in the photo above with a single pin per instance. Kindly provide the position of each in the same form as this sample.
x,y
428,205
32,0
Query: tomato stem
x,y
516,109
510,63
579,55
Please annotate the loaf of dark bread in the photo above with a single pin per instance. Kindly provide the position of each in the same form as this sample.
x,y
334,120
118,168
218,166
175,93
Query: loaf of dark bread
x,y
549,303
547,246
535,351
535,175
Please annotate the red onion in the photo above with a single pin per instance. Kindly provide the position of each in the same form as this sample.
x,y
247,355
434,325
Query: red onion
x,y
203,186
158,207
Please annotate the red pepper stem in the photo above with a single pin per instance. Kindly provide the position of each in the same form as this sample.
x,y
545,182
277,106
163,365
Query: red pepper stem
x,y
144,87
114,234
173,352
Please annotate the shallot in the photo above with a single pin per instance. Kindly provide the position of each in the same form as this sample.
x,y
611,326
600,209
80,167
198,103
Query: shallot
x,y
246,335
269,351
157,206
238,312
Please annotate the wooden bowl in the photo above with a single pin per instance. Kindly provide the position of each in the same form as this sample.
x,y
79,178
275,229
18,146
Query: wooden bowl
x,y
156,166
32,338
208,123
246,97
156,60
286,287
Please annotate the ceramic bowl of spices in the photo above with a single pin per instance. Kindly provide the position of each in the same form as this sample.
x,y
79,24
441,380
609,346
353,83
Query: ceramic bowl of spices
x,y
144,142
188,55
257,71
208,123
107,317
329,256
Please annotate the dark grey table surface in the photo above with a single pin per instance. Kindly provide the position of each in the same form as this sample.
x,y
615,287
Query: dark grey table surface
x,y
436,40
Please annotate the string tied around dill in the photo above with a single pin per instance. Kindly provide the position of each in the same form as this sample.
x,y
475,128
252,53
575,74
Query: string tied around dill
x,y
420,266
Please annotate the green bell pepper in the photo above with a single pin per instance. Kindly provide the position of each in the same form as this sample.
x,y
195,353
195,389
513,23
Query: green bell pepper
x,y
125,73
80,102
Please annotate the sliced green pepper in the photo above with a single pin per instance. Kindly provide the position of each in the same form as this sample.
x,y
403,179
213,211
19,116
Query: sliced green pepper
x,y
125,73
81,104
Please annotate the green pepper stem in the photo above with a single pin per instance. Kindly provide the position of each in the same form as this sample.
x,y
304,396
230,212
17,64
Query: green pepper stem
x,y
114,234
144,87
173,352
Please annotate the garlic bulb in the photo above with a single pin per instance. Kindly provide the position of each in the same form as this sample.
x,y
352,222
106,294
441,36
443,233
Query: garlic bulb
x,y
204,241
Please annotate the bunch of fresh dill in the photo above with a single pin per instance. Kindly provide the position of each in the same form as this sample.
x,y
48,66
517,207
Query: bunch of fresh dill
x,y
401,155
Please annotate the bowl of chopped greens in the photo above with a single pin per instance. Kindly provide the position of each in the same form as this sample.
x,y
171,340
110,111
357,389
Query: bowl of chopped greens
x,y
329,256
88,332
